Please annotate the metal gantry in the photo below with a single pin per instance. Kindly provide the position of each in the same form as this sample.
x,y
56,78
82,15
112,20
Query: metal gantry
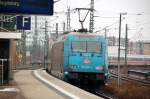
x,y
68,19
91,25
126,47
24,47
46,47
34,51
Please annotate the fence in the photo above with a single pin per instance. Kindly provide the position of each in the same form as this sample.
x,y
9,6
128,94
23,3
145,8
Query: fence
x,y
2,70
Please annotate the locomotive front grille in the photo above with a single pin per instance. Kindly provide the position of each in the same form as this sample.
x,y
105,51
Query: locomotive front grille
x,y
90,76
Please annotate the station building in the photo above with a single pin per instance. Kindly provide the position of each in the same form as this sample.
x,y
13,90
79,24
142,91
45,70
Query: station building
x,y
7,55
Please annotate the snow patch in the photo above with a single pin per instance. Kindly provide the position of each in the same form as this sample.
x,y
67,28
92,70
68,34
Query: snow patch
x,y
9,90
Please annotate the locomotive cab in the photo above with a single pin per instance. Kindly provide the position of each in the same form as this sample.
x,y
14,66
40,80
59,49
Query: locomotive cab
x,y
86,58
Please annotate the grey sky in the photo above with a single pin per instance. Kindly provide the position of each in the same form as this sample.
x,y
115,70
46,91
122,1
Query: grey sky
x,y
106,9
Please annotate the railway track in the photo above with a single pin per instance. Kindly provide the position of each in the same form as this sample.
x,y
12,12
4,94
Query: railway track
x,y
100,93
126,78
107,95
104,95
142,82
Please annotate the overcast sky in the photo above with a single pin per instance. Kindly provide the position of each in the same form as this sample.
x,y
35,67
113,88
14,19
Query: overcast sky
x,y
137,18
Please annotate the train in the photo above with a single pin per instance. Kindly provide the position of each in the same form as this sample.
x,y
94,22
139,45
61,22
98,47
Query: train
x,y
80,57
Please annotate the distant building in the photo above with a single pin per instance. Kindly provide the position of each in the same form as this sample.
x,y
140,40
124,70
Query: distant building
x,y
139,47
113,41
146,48
113,50
135,48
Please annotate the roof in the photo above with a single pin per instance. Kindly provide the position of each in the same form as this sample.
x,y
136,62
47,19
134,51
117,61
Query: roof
x,y
10,35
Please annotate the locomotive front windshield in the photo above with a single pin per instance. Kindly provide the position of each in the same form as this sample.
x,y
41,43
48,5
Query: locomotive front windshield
x,y
80,46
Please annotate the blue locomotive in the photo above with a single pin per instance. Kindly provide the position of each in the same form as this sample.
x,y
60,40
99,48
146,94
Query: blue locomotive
x,y
81,57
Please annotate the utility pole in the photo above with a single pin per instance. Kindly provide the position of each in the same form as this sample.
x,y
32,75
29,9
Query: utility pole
x,y
126,47
46,48
91,26
105,33
34,50
119,51
24,47
141,47
56,30
64,27
68,20
119,75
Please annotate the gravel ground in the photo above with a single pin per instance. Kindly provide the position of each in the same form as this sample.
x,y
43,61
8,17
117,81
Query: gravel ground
x,y
8,95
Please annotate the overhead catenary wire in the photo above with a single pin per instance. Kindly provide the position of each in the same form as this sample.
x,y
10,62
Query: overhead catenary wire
x,y
108,26
137,35
146,23
107,17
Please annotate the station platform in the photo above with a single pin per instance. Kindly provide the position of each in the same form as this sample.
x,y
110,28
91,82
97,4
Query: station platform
x,y
37,84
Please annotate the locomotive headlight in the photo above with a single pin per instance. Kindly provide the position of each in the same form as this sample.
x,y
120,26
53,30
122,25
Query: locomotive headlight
x,y
99,68
66,73
106,74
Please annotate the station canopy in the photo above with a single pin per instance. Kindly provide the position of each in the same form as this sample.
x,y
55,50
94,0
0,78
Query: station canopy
x,y
10,35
